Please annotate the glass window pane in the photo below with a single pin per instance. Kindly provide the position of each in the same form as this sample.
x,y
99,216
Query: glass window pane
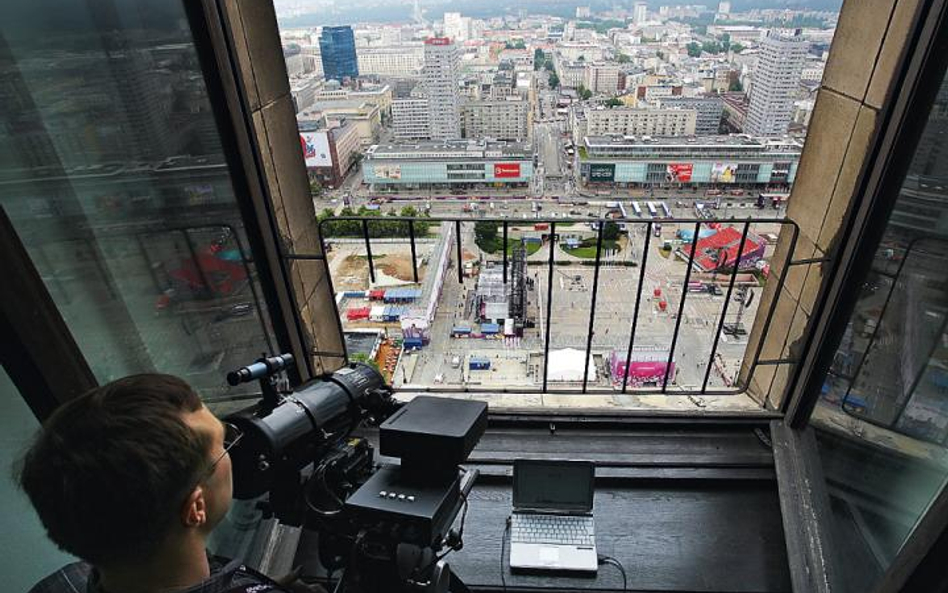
x,y
112,171
882,423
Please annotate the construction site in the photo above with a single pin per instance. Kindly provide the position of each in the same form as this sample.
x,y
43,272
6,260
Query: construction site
x,y
486,326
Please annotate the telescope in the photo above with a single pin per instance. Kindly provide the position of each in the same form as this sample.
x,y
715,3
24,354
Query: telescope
x,y
386,526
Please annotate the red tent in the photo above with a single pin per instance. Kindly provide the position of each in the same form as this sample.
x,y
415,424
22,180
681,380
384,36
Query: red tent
x,y
357,313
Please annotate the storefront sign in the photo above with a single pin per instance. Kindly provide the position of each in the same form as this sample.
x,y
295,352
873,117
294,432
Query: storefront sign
x,y
506,170
678,172
602,173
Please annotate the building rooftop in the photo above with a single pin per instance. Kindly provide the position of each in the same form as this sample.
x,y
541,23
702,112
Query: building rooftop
x,y
691,141
460,148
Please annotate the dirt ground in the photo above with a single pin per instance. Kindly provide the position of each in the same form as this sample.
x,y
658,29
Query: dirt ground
x,y
353,273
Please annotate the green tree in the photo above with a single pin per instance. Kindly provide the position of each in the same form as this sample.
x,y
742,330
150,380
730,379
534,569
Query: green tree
x,y
660,55
548,66
623,58
315,187
610,232
554,80
712,47
614,102
737,48
485,235
694,50
539,58
735,85
584,93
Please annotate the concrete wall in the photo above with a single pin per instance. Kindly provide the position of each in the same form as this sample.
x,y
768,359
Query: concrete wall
x,y
865,53
263,74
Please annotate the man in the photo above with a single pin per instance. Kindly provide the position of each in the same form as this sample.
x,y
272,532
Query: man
x,y
132,477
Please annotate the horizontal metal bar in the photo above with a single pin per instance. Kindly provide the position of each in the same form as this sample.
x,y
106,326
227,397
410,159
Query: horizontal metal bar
x,y
303,256
773,361
810,260
560,221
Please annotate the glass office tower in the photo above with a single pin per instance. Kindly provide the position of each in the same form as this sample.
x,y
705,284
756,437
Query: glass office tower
x,y
337,47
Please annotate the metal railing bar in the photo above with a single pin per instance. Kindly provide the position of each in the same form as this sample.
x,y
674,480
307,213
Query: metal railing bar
x,y
505,251
197,262
592,305
638,300
332,291
302,256
727,301
681,306
769,318
638,221
809,260
549,305
414,258
776,361
457,238
368,248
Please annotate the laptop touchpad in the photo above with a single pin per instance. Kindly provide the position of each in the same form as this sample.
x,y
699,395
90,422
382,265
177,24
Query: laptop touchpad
x,y
549,555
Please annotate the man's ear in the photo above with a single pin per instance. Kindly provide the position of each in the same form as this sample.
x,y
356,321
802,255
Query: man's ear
x,y
194,511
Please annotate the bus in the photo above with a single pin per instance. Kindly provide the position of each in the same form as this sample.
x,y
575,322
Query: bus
x,y
775,199
651,209
636,208
668,212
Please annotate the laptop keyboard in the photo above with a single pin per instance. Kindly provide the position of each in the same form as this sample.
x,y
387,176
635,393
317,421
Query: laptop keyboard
x,y
552,529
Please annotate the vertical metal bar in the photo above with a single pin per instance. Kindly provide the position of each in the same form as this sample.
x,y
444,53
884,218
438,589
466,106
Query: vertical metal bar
x,y
411,238
681,307
368,249
457,232
335,303
638,300
936,342
197,263
505,252
253,286
592,305
549,305
727,301
875,331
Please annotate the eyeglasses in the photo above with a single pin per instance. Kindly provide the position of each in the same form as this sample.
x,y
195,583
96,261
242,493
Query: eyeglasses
x,y
232,436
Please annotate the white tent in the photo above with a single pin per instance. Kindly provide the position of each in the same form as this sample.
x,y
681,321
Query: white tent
x,y
567,365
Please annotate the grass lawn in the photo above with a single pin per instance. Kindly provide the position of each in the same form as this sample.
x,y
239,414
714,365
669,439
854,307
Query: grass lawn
x,y
493,246
587,249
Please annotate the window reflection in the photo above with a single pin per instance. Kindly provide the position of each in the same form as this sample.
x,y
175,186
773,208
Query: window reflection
x,y
882,422
112,171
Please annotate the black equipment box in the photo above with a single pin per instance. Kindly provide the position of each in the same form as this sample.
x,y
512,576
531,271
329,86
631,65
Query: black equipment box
x,y
421,512
433,435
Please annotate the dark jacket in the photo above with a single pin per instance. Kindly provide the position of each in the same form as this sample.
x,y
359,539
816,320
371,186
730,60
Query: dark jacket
x,y
226,577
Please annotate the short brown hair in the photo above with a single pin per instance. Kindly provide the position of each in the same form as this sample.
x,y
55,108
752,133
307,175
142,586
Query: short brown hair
x,y
110,469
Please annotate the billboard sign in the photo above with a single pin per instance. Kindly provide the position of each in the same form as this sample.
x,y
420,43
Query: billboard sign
x,y
723,172
506,170
678,172
388,171
316,149
602,173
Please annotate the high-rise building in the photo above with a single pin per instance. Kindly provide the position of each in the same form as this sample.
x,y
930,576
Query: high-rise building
x,y
338,51
639,13
602,78
779,65
456,27
410,118
724,8
507,119
405,60
583,12
441,76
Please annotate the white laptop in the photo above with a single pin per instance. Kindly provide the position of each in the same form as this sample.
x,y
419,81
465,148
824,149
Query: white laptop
x,y
552,523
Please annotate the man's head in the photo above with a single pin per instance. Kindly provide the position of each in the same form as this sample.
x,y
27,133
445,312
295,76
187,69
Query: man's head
x,y
127,467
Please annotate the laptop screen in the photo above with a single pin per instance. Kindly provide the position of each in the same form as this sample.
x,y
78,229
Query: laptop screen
x,y
553,485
